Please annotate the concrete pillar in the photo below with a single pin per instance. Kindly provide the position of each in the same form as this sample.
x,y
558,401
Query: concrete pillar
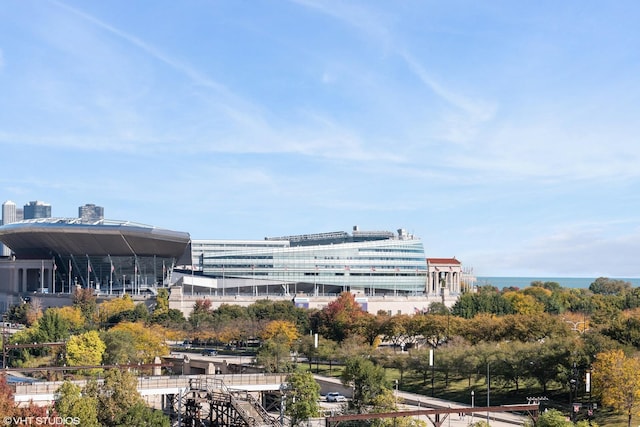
x,y
157,370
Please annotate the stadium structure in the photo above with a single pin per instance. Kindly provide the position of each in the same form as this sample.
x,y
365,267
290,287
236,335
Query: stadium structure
x,y
58,255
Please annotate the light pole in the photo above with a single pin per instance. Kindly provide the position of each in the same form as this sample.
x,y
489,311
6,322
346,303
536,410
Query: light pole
x,y
432,364
396,395
472,404
283,389
573,388
488,391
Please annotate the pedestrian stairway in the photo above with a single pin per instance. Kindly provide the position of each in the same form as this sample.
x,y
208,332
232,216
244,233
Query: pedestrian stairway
x,y
208,402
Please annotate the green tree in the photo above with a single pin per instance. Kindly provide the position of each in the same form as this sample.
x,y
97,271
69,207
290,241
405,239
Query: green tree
x,y
140,415
386,401
85,300
552,357
164,315
70,402
486,300
275,355
229,313
367,380
551,418
397,330
435,328
483,327
120,347
606,286
302,395
201,313
116,396
52,327
624,328
266,310
18,313
371,327
162,303
533,327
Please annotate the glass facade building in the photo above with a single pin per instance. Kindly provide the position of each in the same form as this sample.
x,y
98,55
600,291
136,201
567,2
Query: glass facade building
x,y
372,263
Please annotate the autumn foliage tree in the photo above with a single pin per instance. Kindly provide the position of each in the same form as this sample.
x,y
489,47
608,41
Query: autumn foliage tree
x,y
108,309
148,341
616,379
341,318
280,328
9,408
85,349
7,405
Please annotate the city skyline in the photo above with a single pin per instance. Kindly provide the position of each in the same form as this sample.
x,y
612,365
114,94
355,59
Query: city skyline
x,y
500,133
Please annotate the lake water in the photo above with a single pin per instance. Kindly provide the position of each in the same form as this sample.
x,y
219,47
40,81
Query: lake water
x,y
565,282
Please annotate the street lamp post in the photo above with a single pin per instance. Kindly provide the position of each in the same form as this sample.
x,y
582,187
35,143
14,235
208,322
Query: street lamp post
x,y
432,364
396,395
573,388
488,391
472,404
283,390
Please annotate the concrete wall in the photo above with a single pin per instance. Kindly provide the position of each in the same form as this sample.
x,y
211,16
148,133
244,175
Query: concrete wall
x,y
184,301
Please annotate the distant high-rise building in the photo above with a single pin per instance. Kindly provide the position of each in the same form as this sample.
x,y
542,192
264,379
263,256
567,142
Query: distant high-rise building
x,y
90,213
37,209
9,215
9,212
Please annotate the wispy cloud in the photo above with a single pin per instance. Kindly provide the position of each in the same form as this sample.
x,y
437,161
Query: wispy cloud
x,y
193,74
361,18
476,111
227,122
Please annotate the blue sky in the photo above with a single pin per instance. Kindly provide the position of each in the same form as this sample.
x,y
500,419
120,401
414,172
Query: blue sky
x,y
504,133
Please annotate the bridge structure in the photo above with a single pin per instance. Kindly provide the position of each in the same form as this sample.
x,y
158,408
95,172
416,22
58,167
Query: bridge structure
x,y
245,400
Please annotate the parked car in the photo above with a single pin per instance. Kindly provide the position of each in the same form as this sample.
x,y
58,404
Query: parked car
x,y
209,352
334,396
